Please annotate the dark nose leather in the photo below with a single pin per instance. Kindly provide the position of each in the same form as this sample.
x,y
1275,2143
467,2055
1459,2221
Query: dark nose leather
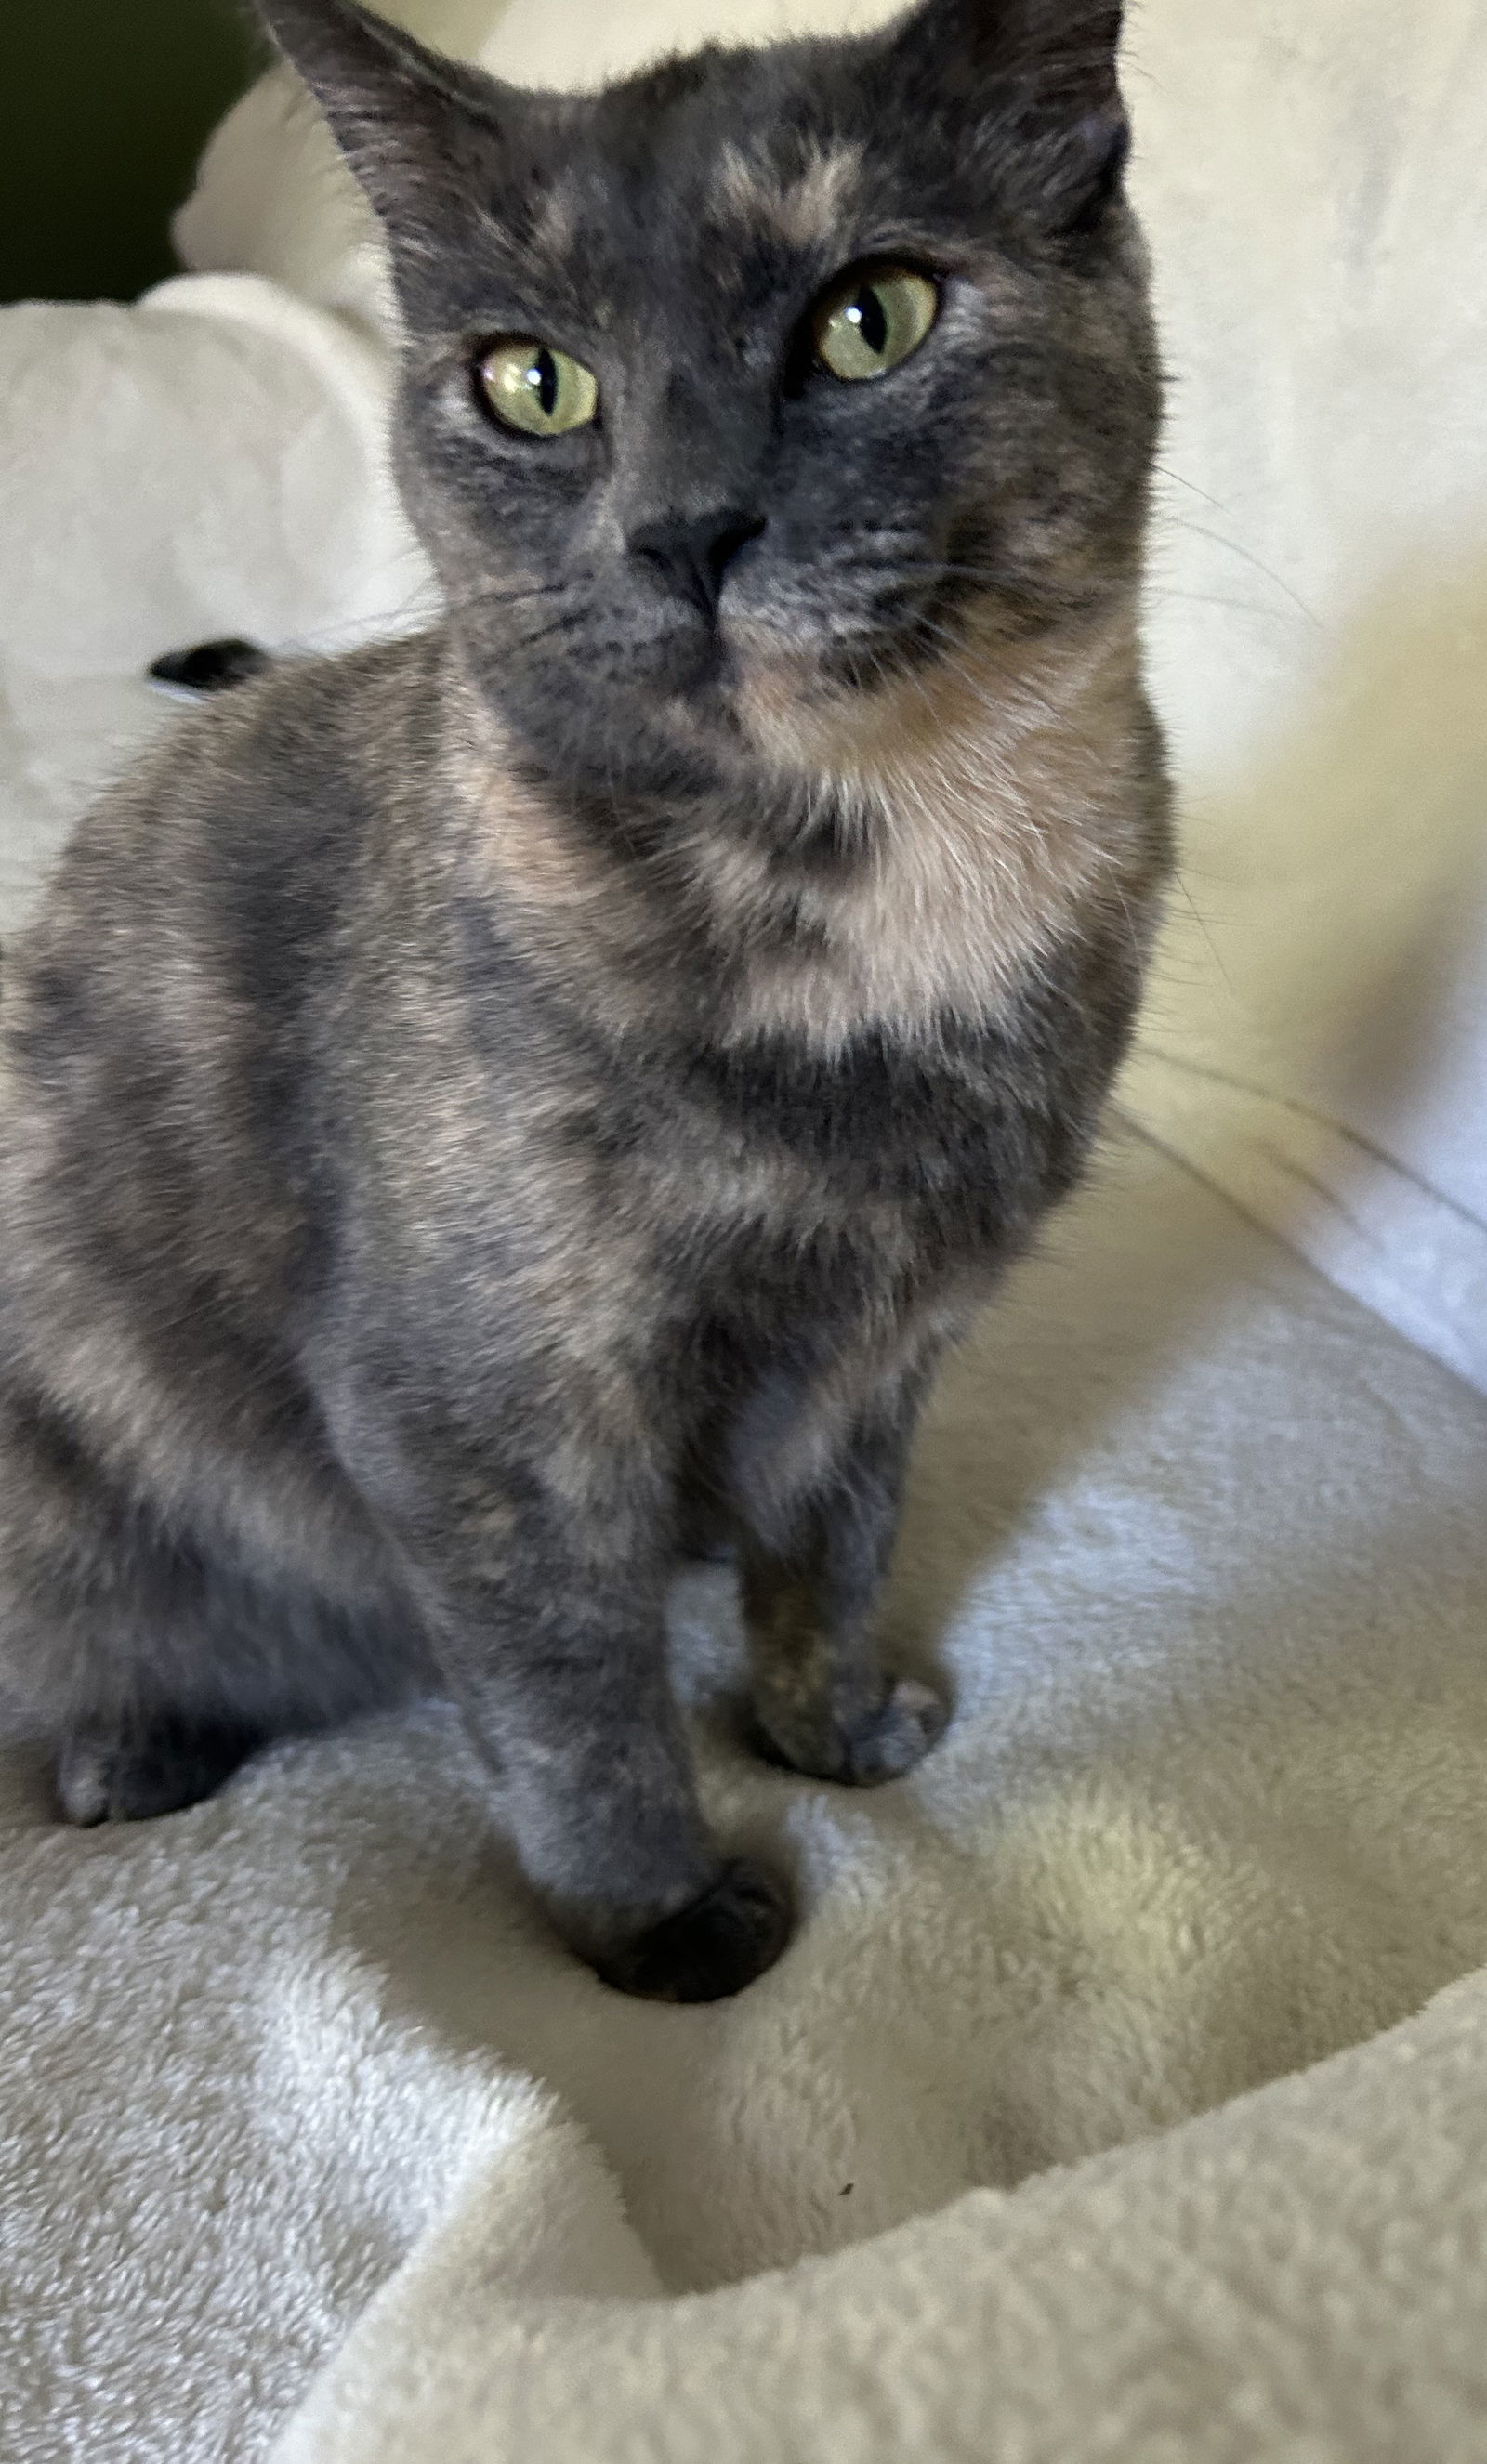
x,y
692,551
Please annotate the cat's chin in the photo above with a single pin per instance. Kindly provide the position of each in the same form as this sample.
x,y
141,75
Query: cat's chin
x,y
685,667
693,666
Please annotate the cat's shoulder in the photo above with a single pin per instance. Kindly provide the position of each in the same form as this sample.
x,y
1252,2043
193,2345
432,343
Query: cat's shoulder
x,y
359,712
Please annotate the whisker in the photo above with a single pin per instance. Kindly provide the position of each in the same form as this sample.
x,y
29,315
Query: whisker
x,y
568,621
1217,540
428,603
1153,589
1178,482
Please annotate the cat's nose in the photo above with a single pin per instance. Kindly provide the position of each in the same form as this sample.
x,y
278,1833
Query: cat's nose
x,y
692,551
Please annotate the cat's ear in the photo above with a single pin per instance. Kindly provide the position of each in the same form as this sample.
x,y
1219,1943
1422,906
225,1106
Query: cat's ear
x,y
402,115
1041,76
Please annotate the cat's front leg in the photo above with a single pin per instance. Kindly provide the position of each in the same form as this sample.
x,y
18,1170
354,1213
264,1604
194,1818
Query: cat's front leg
x,y
820,1511
541,1594
557,1662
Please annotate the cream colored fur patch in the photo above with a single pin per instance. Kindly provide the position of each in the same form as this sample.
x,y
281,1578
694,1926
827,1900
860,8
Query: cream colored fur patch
x,y
996,795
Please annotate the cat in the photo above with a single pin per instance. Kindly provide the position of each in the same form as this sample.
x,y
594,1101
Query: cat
x,y
479,1110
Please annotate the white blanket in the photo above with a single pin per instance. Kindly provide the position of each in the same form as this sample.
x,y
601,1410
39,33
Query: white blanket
x,y
310,2136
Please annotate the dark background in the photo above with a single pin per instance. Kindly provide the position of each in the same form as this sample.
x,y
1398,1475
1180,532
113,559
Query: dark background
x,y
105,107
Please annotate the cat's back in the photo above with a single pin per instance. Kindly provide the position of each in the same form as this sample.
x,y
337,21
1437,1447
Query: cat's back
x,y
196,908
244,819
164,1018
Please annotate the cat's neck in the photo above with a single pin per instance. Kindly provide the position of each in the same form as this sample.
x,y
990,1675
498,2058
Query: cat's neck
x,y
973,815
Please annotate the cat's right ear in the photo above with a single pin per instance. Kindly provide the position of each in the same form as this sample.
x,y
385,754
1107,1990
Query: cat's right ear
x,y
1037,80
402,116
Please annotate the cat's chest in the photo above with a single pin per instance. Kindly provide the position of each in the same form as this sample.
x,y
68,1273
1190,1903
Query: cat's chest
x,y
769,1158
972,820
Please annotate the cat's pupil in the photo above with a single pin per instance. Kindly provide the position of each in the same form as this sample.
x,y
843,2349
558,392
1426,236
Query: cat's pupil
x,y
542,377
867,313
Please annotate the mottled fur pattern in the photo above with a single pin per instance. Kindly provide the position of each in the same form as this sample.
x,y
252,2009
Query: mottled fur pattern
x,y
480,1113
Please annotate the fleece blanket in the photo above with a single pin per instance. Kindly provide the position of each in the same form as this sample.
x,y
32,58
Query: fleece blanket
x,y
1102,2108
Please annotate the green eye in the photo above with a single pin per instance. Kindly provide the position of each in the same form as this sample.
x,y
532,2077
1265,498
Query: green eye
x,y
531,386
868,322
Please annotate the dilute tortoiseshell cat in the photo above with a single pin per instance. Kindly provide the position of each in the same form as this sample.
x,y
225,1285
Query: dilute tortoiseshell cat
x,y
480,1111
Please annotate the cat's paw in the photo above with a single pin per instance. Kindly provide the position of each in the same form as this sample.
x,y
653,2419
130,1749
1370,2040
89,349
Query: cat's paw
x,y
887,1743
103,1777
711,1948
911,1719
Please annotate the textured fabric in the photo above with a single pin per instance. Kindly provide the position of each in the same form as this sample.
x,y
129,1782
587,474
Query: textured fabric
x,y
309,2133
1297,2279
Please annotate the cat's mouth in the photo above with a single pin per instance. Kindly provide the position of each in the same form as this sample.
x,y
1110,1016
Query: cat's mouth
x,y
766,643
697,664
909,629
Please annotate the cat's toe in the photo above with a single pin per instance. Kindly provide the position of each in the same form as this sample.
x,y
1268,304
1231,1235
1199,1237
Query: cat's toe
x,y
107,1778
83,1777
911,1720
711,1948
881,1745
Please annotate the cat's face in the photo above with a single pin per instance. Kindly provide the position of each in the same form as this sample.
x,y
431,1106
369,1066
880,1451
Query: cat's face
x,y
759,380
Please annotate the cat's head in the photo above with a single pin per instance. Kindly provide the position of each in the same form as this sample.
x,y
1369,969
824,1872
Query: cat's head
x,y
745,388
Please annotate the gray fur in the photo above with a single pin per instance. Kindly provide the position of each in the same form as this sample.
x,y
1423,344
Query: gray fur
x,y
480,1111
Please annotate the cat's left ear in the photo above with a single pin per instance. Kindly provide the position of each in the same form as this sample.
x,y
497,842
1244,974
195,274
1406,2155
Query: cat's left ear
x,y
1041,78
402,116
